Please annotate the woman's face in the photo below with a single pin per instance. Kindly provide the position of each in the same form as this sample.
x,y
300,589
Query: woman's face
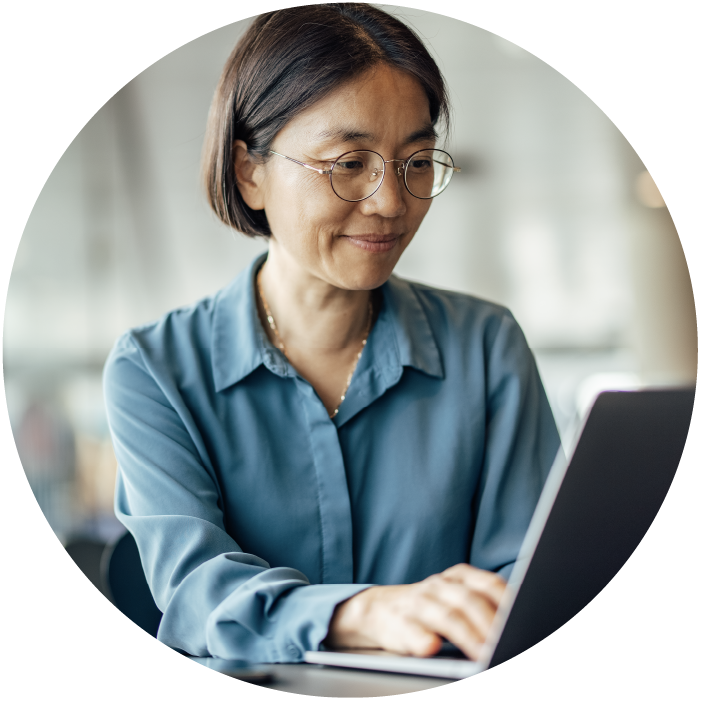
x,y
351,245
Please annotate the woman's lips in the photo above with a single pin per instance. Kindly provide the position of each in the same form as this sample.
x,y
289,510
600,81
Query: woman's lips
x,y
375,243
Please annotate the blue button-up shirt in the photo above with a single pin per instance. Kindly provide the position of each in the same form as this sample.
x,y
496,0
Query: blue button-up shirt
x,y
256,514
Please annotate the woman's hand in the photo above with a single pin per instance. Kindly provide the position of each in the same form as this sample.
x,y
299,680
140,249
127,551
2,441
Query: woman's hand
x,y
458,605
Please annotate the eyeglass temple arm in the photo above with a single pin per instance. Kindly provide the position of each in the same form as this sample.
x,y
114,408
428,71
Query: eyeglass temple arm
x,y
455,168
306,165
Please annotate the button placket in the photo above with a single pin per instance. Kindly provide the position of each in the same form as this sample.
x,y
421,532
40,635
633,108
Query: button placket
x,y
333,496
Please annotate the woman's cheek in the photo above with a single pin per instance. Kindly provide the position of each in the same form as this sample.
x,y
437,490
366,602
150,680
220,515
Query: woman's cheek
x,y
297,203
418,209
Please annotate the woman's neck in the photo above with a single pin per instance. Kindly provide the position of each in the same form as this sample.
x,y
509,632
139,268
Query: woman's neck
x,y
310,313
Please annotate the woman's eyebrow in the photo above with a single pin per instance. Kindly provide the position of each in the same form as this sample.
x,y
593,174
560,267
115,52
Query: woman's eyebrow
x,y
426,133
345,135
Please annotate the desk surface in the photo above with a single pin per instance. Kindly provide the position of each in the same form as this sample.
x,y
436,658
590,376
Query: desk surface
x,y
319,680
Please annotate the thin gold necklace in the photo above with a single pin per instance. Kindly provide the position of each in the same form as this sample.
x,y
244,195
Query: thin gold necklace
x,y
281,346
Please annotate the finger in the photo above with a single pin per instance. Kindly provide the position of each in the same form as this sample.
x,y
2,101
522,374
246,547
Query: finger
x,y
449,622
489,584
468,573
411,638
477,608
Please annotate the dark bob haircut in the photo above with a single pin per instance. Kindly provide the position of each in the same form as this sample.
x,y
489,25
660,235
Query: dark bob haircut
x,y
286,61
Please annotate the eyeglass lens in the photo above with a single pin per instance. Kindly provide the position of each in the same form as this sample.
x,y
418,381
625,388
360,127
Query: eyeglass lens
x,y
358,174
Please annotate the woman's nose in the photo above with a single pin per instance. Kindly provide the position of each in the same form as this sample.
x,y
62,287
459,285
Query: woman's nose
x,y
388,201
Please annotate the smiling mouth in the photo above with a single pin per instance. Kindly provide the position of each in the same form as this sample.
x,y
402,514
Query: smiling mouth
x,y
374,243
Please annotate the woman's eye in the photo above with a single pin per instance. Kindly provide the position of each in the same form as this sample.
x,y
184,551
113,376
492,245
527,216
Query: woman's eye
x,y
422,164
350,165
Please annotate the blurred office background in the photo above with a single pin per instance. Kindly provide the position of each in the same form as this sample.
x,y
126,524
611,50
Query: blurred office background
x,y
554,216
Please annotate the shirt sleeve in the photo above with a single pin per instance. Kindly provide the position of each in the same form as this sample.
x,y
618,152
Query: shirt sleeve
x,y
521,444
216,600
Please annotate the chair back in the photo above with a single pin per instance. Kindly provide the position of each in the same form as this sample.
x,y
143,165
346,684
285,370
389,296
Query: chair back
x,y
125,583
87,554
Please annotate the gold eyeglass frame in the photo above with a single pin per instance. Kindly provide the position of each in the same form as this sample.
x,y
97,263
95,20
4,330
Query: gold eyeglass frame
x,y
402,167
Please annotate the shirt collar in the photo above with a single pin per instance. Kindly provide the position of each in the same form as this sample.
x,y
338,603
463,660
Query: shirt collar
x,y
240,345
415,342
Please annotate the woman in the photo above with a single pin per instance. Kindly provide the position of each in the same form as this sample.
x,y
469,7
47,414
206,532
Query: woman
x,y
319,426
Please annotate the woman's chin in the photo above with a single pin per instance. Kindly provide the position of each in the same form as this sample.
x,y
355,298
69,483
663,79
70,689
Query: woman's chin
x,y
367,270
364,279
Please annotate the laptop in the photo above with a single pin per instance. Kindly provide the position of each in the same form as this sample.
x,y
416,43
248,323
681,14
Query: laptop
x,y
592,513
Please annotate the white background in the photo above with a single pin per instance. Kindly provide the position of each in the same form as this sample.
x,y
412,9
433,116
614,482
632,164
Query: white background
x,y
637,60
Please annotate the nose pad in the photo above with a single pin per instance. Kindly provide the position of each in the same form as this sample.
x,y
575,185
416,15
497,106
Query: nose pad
x,y
387,200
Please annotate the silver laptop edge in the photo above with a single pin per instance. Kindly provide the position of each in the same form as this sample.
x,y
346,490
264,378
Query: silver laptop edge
x,y
402,664
535,529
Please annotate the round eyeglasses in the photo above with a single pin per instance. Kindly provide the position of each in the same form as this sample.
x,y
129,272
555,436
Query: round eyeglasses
x,y
357,175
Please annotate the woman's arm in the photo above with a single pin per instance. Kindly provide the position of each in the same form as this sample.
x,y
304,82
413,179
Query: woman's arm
x,y
216,599
521,442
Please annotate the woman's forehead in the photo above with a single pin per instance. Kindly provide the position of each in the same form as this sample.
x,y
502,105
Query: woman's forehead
x,y
383,103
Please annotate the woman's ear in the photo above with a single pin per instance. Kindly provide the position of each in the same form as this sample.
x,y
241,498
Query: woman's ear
x,y
249,176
